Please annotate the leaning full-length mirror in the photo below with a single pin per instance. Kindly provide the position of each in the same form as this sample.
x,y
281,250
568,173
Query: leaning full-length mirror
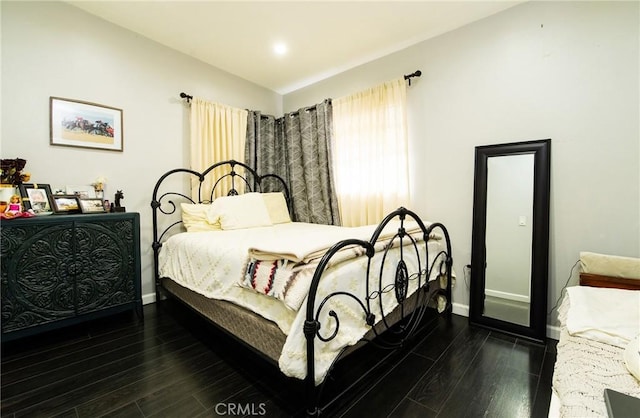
x,y
510,244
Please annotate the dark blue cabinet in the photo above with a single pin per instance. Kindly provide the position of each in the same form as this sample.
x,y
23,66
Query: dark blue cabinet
x,y
63,269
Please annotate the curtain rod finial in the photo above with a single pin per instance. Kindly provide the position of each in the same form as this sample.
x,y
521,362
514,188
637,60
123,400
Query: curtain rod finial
x,y
417,73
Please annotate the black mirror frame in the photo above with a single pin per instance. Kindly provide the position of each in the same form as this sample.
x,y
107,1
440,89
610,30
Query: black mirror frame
x,y
541,149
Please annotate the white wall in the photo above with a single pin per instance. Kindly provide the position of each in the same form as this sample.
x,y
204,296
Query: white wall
x,y
562,70
54,49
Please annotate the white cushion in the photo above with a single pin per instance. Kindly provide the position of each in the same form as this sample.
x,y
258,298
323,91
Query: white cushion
x,y
277,207
610,265
243,211
196,218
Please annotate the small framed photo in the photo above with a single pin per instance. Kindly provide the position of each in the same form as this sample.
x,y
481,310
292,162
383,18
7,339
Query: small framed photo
x,y
74,123
37,197
65,203
83,192
93,205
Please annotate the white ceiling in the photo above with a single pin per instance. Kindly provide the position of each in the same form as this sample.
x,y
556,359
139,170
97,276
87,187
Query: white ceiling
x,y
324,38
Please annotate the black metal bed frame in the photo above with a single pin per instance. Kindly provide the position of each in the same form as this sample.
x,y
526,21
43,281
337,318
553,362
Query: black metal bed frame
x,y
386,335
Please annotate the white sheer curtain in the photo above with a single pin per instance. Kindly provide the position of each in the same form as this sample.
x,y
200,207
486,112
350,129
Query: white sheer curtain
x,y
218,133
371,153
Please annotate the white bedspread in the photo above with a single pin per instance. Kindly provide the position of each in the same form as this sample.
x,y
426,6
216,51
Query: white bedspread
x,y
586,363
211,264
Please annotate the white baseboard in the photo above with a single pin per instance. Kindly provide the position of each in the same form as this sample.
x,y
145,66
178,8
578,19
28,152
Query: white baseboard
x,y
506,295
553,331
148,298
459,309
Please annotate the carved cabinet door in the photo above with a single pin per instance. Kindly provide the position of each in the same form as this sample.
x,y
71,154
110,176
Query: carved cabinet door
x,y
105,265
36,274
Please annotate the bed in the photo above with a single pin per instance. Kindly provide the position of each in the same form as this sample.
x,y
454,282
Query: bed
x,y
302,296
599,344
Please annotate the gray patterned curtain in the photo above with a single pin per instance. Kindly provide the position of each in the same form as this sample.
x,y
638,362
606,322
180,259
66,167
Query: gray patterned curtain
x,y
265,150
297,147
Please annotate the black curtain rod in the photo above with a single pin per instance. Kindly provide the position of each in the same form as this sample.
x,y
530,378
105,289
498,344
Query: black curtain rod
x,y
414,74
417,73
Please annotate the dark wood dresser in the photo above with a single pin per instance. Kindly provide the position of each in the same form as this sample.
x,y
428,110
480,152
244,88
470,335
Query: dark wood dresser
x,y
60,270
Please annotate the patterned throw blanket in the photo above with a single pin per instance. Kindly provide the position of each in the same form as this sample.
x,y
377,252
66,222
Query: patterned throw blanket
x,y
285,269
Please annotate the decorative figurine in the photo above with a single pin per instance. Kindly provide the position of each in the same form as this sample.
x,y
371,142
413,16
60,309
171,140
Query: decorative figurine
x,y
15,210
117,208
14,207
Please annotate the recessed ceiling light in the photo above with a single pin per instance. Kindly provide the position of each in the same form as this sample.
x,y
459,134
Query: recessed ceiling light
x,y
280,48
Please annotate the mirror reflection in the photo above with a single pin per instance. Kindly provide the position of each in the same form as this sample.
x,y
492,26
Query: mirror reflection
x,y
509,230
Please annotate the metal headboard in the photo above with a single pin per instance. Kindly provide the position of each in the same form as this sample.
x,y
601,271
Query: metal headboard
x,y
235,177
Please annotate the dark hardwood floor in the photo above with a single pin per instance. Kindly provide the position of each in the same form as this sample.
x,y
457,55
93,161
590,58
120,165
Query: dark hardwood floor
x,y
174,364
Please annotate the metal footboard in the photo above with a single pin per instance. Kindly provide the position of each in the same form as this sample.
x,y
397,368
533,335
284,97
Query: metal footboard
x,y
410,309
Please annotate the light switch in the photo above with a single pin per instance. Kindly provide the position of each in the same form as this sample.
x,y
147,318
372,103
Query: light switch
x,y
522,221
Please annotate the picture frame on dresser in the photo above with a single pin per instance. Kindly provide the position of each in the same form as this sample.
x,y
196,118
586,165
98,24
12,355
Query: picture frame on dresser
x,y
82,191
36,196
65,203
92,205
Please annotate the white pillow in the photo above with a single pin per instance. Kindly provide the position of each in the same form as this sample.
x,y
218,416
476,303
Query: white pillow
x,y
277,207
632,357
610,265
196,218
244,211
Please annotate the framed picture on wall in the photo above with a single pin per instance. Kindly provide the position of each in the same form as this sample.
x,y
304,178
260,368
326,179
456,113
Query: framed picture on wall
x,y
37,197
74,123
